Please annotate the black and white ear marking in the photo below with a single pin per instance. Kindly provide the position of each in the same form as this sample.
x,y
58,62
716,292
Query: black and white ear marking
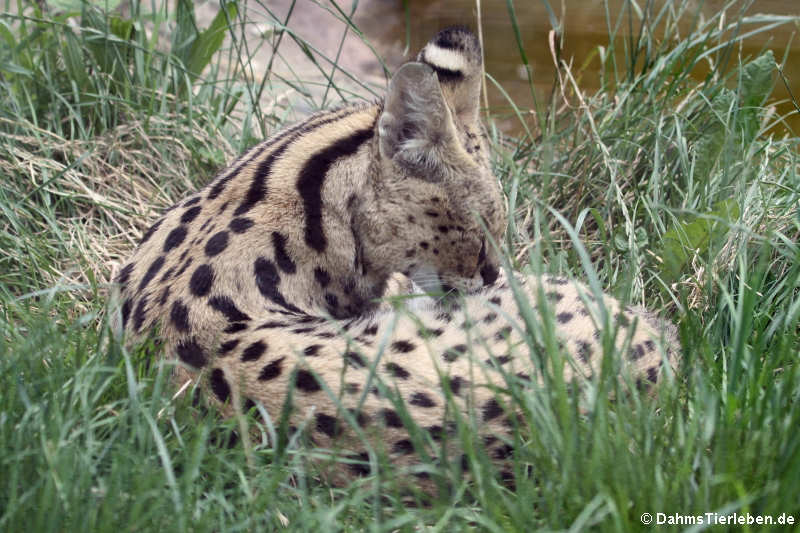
x,y
450,65
455,55
415,126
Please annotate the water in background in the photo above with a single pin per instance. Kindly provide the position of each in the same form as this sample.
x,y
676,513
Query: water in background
x,y
585,27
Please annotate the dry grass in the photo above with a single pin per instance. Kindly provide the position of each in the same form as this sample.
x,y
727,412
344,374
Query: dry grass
x,y
113,188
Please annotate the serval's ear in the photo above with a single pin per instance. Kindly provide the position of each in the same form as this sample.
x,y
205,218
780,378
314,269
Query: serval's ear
x,y
415,128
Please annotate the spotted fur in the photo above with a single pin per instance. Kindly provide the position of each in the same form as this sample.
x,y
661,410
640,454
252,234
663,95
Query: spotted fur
x,y
271,277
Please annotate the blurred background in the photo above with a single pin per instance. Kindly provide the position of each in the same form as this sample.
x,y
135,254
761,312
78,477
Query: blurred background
x,y
399,28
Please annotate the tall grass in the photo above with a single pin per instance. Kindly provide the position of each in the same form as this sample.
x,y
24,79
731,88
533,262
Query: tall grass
x,y
675,193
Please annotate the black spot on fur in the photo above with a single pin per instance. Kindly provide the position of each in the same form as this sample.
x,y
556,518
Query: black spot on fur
x,y
650,345
271,370
390,418
497,361
495,300
125,275
235,327
126,311
355,360
285,262
489,318
217,243
227,346
491,409
557,281
444,317
503,452
397,371
584,351
349,285
273,324
201,280
139,315
489,274
636,352
175,238
254,351
248,406
652,374
402,346
502,333
240,224
362,419
164,295
267,280
190,214
362,467
453,353
554,296
420,399
332,301
322,276
307,319
225,305
482,252
312,350
328,425
563,318
149,232
403,446
184,266
167,274
191,353
306,381
437,432
455,383
425,332
218,384
151,272
509,480
312,177
179,316
371,329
